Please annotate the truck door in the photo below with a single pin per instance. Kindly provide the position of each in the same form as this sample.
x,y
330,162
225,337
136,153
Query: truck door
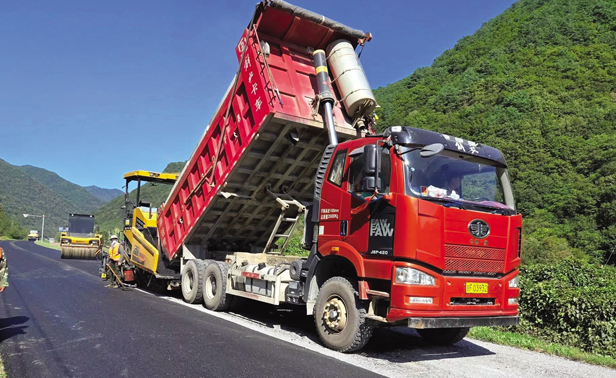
x,y
371,230
330,227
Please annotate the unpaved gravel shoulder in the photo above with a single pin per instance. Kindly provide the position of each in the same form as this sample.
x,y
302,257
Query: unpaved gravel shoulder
x,y
400,352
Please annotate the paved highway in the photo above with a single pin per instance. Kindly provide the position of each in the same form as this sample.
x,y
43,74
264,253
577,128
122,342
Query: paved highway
x,y
58,320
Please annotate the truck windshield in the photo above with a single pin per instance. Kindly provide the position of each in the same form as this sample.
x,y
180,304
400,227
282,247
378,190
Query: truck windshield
x,y
460,181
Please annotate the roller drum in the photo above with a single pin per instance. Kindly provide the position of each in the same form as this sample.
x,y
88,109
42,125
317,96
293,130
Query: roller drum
x,y
78,253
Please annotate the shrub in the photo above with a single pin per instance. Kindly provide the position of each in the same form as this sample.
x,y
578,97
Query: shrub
x,y
571,303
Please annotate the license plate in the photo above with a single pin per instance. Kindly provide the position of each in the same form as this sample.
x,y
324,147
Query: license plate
x,y
476,288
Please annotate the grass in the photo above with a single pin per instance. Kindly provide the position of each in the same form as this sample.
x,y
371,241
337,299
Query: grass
x,y
538,345
47,244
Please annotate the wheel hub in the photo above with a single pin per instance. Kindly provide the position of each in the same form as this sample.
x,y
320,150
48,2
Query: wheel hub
x,y
210,287
335,314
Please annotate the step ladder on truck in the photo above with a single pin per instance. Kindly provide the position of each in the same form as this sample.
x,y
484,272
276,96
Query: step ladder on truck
x,y
408,228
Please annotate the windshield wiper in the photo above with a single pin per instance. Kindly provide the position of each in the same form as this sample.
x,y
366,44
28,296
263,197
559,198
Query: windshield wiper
x,y
447,202
466,205
494,210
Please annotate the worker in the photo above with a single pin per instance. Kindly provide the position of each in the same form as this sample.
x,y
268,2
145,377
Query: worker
x,y
4,271
116,257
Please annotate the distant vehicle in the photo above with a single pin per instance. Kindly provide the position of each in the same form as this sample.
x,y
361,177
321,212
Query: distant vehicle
x,y
33,235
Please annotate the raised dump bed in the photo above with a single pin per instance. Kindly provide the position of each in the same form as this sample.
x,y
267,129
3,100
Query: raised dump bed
x,y
265,135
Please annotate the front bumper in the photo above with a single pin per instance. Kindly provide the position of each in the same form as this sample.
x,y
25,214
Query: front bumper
x,y
493,321
448,299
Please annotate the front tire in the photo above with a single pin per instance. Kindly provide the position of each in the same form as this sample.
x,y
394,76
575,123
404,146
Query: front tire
x,y
192,281
340,317
443,336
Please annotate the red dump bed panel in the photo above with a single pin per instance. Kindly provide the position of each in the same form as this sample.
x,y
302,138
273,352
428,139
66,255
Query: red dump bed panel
x,y
255,104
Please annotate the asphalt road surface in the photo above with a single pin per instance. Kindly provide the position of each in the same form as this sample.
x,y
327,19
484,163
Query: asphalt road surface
x,y
58,320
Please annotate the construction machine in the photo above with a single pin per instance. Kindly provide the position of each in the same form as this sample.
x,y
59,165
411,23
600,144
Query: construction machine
x,y
140,232
80,241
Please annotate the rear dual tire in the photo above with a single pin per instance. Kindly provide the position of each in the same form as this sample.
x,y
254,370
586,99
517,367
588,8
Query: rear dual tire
x,y
214,284
192,281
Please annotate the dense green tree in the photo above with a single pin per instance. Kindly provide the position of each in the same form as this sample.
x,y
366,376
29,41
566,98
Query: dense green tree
x,y
9,227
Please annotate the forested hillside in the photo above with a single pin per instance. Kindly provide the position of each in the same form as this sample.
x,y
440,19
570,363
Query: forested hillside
x,y
539,83
109,217
73,193
9,227
105,194
22,194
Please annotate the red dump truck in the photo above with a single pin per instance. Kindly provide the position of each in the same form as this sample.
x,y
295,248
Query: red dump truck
x,y
408,228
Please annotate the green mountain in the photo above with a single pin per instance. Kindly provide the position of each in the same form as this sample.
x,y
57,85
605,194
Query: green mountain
x,y
104,194
73,193
109,217
22,194
539,83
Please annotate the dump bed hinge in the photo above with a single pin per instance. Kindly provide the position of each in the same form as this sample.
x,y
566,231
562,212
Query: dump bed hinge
x,y
286,202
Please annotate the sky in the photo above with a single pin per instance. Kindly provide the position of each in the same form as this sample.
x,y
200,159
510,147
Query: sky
x,y
93,89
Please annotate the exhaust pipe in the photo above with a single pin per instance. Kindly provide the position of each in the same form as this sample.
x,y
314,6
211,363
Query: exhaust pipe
x,y
325,95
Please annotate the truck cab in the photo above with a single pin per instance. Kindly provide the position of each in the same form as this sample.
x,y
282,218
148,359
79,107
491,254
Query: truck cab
x,y
429,225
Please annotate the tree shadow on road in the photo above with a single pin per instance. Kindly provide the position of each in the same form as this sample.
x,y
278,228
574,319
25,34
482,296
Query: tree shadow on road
x,y
6,329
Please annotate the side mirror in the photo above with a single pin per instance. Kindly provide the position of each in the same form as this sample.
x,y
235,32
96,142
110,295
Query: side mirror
x,y
431,150
372,163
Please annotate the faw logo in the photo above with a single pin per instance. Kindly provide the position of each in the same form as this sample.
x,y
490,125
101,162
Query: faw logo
x,y
479,228
380,227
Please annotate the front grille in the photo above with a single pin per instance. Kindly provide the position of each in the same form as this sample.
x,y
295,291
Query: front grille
x,y
472,252
465,259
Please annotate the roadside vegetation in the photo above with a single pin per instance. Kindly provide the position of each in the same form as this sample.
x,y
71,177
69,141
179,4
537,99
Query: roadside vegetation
x,y
538,345
47,244
567,309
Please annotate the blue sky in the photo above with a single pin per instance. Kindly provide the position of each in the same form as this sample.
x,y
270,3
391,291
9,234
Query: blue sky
x,y
94,89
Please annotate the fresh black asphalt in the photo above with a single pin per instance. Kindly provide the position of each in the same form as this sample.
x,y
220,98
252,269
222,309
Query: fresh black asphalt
x,y
58,320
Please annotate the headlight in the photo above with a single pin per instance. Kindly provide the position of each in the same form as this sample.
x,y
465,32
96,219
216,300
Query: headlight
x,y
412,276
512,301
514,281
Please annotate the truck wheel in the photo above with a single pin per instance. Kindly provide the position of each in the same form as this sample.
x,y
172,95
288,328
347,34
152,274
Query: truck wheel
x,y
340,316
215,287
296,269
192,281
443,336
